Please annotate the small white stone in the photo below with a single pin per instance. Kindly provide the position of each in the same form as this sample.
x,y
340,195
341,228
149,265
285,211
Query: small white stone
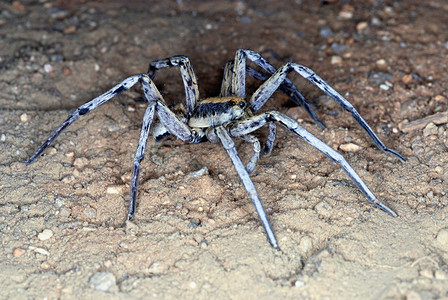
x,y
440,275
192,285
24,118
336,60
45,235
299,283
427,273
42,251
361,26
2,137
48,68
350,147
114,190
103,281
384,87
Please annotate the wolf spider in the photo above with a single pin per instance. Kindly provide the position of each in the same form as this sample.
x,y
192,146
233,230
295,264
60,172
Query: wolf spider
x,y
230,115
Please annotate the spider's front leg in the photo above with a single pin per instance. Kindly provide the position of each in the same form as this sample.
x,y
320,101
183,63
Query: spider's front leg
x,y
228,144
188,77
238,81
167,118
245,127
84,109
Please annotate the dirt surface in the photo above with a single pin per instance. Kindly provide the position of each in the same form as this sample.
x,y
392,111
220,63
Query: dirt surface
x,y
196,235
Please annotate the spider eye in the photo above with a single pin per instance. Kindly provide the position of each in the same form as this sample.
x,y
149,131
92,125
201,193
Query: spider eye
x,y
242,104
231,103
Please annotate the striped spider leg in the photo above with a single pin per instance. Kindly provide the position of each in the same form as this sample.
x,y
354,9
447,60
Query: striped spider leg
x,y
156,104
262,95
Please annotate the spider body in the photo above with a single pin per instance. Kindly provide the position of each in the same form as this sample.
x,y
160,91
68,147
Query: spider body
x,y
216,111
230,115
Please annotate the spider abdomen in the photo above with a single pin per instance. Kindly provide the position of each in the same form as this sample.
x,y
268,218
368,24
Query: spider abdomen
x,y
217,111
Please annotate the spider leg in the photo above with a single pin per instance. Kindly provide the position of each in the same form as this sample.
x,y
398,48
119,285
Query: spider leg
x,y
226,85
247,182
84,109
265,91
289,89
271,138
247,126
139,155
254,159
187,73
167,118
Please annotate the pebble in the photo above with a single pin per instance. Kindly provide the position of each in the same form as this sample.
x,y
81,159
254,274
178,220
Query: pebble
x,y
80,162
406,79
24,118
336,60
2,137
350,147
442,237
426,273
440,275
385,87
299,283
193,285
361,26
18,252
381,64
114,189
430,129
326,32
346,15
439,98
48,68
103,281
45,235
41,251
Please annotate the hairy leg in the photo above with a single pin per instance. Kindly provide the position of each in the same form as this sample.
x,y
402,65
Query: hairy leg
x,y
187,74
247,126
247,182
265,91
84,109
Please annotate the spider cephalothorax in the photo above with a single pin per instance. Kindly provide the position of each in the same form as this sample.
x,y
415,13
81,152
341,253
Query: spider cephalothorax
x,y
232,114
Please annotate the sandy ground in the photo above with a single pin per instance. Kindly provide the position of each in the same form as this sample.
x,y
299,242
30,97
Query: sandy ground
x,y
196,235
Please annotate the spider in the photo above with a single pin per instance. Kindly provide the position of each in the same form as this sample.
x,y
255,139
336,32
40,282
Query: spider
x,y
230,115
